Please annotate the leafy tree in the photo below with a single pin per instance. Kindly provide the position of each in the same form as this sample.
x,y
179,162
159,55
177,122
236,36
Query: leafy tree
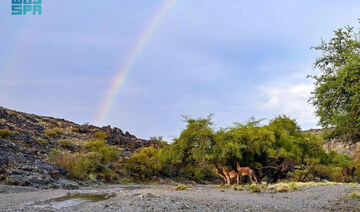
x,y
337,89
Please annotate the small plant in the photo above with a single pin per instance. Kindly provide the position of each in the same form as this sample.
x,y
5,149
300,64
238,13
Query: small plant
x,y
353,195
65,143
53,132
254,188
42,141
6,133
238,187
101,135
181,187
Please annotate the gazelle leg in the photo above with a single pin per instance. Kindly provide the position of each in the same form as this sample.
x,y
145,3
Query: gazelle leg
x,y
251,179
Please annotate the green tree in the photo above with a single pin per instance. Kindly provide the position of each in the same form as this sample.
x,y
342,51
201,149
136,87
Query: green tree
x,y
337,89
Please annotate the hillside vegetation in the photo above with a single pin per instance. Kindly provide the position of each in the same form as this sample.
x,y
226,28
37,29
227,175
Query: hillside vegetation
x,y
47,152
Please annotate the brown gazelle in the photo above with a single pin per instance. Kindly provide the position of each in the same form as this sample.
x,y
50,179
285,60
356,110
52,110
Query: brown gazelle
x,y
246,171
230,175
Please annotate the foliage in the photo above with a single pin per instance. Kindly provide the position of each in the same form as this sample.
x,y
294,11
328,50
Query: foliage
x,y
337,88
106,152
251,144
65,143
159,140
93,163
6,133
53,132
144,164
101,135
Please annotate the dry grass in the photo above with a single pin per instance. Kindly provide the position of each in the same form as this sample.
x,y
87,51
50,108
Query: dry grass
x,y
6,133
53,132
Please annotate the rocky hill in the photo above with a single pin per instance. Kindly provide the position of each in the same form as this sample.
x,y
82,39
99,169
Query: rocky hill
x,y
26,141
337,144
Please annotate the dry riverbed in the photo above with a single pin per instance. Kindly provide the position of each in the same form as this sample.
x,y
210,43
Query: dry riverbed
x,y
168,198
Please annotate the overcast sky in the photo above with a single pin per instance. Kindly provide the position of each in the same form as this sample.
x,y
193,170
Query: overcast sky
x,y
235,59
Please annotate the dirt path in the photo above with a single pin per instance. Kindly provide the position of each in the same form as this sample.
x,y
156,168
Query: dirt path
x,y
166,198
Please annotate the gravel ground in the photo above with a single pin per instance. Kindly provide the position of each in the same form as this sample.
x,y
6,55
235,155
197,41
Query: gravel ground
x,y
166,198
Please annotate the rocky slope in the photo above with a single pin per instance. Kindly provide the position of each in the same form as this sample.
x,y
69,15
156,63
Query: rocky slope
x,y
336,144
26,141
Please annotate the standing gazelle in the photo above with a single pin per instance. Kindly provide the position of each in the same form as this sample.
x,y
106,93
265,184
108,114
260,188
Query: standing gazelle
x,y
230,175
246,171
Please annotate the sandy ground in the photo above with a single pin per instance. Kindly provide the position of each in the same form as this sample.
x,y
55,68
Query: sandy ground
x,y
166,198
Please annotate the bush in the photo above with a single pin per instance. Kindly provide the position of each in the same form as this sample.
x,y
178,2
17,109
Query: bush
x,y
107,152
144,164
6,133
101,135
53,132
65,143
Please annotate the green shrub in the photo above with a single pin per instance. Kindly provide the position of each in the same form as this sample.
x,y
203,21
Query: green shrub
x,y
101,135
65,143
144,164
53,132
6,133
107,152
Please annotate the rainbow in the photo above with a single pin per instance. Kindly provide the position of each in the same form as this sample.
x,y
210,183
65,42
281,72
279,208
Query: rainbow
x,y
121,75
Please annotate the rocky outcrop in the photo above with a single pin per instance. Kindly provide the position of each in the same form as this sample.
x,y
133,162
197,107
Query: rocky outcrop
x,y
18,166
23,154
128,142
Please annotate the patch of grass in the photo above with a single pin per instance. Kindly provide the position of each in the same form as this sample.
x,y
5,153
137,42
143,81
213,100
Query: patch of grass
x,y
6,133
53,132
353,195
181,187
254,188
65,143
283,188
42,141
238,187
293,186
271,189
74,129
